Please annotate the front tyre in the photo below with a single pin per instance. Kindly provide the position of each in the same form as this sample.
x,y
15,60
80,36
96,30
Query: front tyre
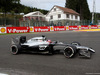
x,y
15,49
69,51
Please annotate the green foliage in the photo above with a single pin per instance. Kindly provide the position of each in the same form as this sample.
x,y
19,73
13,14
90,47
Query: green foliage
x,y
70,5
14,5
97,16
5,5
80,6
12,12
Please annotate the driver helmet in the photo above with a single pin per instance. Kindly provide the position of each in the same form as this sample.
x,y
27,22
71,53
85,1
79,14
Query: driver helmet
x,y
49,41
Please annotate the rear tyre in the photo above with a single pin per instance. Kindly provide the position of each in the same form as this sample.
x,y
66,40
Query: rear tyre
x,y
15,49
69,51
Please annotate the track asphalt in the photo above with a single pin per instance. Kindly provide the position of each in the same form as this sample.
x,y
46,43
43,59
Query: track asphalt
x,y
38,64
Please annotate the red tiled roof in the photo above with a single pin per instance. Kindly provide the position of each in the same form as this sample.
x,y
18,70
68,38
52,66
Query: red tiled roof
x,y
67,10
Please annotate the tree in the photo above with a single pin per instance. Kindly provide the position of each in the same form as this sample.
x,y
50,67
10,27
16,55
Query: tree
x,y
26,10
80,6
7,6
71,4
16,1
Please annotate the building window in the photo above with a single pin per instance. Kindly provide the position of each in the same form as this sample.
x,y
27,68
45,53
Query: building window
x,y
75,17
51,17
54,9
67,15
59,15
72,16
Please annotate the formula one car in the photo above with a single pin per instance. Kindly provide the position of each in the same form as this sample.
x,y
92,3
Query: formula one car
x,y
43,45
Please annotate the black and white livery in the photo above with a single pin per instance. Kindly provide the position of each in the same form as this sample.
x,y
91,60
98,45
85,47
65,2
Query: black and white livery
x,y
43,45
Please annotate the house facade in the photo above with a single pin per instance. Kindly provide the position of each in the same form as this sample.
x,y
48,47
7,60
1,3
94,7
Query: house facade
x,y
64,16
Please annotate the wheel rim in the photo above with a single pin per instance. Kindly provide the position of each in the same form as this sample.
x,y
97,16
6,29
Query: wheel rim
x,y
68,52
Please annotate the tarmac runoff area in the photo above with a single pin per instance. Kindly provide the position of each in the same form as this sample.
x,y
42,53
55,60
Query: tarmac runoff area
x,y
89,30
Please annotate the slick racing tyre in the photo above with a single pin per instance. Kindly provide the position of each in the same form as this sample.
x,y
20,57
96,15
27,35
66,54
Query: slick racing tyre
x,y
69,51
76,43
15,49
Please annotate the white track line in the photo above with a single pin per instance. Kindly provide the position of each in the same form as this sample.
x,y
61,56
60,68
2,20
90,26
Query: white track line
x,y
3,74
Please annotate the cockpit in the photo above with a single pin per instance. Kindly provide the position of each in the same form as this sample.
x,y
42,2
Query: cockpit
x,y
38,39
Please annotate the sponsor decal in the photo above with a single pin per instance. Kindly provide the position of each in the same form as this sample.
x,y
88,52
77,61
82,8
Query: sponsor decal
x,y
73,27
45,29
41,29
2,29
89,27
67,27
79,27
94,27
17,29
99,26
51,28
84,27
59,28
31,29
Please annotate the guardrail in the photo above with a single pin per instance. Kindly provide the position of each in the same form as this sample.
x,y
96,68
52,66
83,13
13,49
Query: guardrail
x,y
46,28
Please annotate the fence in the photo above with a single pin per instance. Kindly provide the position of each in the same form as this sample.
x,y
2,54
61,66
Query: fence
x,y
14,22
56,23
9,22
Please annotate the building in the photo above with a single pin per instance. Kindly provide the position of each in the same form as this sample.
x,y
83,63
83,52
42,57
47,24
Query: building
x,y
37,16
33,19
63,16
57,16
